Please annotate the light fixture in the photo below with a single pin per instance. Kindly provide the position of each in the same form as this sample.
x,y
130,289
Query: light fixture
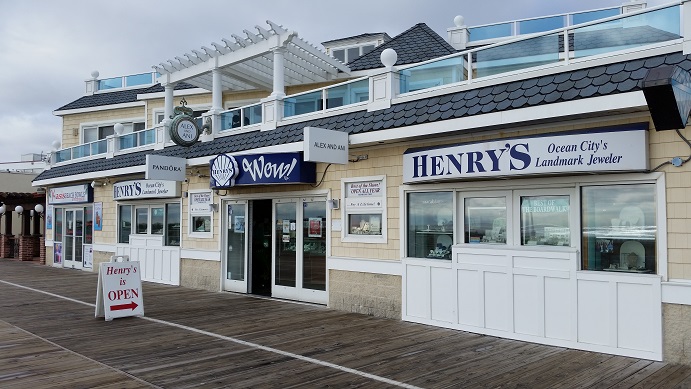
x,y
56,145
118,128
19,209
98,183
3,208
39,210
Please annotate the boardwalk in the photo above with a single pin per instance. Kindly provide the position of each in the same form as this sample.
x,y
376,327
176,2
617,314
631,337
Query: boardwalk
x,y
190,338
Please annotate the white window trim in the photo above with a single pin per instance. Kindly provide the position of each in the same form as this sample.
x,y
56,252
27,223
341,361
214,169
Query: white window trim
x,y
560,183
190,228
346,236
85,125
148,205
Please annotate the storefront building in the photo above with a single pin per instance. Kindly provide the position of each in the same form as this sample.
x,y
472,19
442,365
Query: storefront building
x,y
526,189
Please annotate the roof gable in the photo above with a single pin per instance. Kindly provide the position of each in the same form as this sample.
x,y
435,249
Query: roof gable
x,y
417,44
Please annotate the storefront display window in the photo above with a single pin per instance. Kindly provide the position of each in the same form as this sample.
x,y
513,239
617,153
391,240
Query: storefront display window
x,y
89,223
157,216
125,220
430,225
58,225
364,209
545,221
200,214
485,220
142,220
619,228
172,236
164,220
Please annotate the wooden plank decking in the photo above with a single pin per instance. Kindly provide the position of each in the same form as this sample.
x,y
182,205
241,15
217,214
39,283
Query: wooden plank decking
x,y
193,338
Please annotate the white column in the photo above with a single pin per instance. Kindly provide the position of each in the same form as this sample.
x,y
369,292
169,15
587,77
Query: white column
x,y
168,110
216,91
458,35
279,73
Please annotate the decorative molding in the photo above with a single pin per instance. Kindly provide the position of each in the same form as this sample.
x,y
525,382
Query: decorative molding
x,y
203,255
676,292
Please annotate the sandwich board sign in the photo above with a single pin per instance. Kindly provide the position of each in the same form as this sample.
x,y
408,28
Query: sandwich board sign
x,y
119,292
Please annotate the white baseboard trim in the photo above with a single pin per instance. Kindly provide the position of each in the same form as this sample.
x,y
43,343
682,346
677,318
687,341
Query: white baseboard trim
x,y
109,248
203,255
376,266
676,292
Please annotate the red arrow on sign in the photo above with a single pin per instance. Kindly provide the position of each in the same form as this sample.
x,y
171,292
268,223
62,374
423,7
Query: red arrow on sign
x,y
131,305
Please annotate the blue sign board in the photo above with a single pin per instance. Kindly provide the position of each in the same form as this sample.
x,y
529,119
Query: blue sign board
x,y
227,171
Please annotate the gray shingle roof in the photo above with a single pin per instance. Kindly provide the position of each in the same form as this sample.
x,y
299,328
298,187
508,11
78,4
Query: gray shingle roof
x,y
116,97
418,43
568,86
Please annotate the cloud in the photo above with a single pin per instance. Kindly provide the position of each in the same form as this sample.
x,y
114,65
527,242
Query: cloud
x,y
49,48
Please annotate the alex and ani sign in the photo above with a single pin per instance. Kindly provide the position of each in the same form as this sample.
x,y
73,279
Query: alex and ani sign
x,y
602,150
282,168
145,189
70,194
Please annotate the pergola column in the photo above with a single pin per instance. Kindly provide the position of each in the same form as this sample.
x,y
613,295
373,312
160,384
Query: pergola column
x,y
279,73
168,102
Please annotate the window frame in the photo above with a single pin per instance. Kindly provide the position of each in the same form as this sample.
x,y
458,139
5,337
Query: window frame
x,y
346,211
191,214
133,220
128,124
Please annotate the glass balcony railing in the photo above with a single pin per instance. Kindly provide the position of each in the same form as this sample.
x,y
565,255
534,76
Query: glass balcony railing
x,y
81,151
437,73
652,26
656,26
537,25
339,95
240,117
127,81
137,139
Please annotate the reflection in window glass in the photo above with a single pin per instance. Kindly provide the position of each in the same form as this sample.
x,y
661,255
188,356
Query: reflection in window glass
x,y
430,225
619,228
58,225
545,221
125,229
157,217
142,219
485,220
201,223
172,236
365,224
89,224
353,53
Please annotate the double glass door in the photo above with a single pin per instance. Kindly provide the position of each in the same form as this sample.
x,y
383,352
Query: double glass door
x,y
74,238
296,245
300,249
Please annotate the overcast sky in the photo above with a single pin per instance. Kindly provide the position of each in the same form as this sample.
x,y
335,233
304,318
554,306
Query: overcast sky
x,y
49,48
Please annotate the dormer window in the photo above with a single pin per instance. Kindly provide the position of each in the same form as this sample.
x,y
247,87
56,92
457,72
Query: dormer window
x,y
348,54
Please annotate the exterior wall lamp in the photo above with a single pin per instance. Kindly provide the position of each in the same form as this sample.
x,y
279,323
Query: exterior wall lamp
x,y
39,210
19,209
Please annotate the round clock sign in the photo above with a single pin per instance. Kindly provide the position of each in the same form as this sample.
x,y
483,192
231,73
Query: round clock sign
x,y
184,130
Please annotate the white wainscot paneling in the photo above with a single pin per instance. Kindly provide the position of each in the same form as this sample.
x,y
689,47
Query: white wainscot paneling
x,y
417,302
594,309
442,294
158,263
537,294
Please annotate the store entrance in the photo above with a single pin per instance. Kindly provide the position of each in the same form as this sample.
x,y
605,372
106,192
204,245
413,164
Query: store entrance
x,y
260,247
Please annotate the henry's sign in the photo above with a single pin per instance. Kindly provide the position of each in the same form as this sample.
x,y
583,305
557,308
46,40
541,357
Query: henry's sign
x,y
119,292
145,189
596,151
70,194
282,168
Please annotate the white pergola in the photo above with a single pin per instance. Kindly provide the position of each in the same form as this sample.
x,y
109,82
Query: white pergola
x,y
268,60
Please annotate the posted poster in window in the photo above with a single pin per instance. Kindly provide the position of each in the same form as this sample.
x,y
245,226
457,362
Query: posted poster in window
x,y
315,227
88,256
57,253
239,224
49,217
98,216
